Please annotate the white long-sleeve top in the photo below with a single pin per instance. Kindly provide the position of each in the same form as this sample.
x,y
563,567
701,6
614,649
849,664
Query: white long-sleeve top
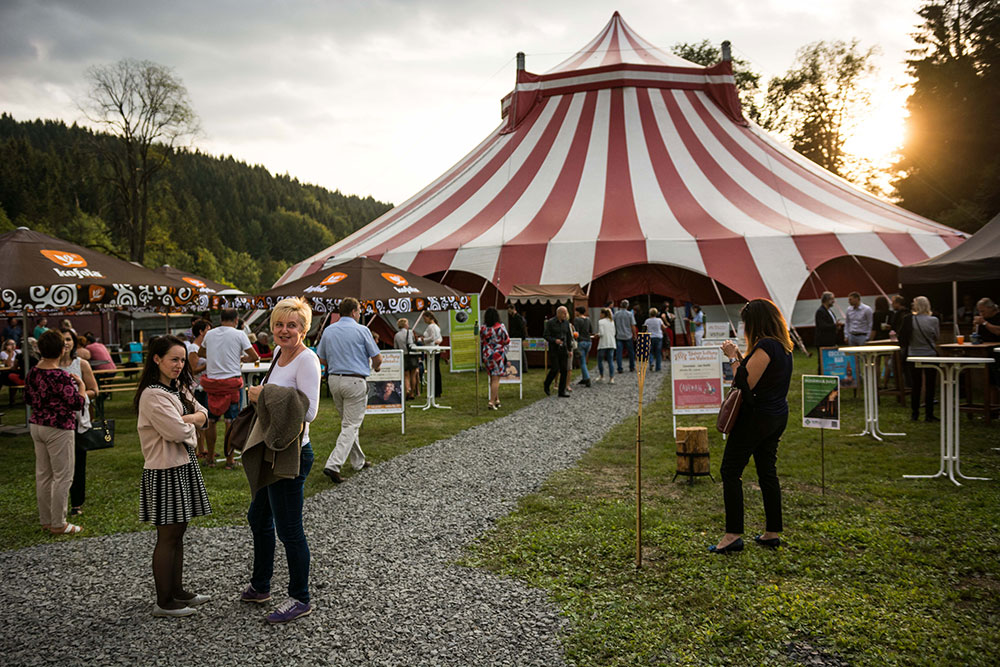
x,y
302,374
606,330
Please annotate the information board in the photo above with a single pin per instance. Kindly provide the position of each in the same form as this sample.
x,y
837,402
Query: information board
x,y
821,401
697,380
840,364
464,336
512,373
385,387
716,330
536,345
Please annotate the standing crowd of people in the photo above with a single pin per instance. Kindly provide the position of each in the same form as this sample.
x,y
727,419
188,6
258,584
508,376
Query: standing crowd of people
x,y
186,387
914,327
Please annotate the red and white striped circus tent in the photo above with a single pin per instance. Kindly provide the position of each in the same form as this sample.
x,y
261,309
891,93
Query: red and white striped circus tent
x,y
629,170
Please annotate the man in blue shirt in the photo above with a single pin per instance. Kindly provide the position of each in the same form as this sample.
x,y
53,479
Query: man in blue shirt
x,y
345,350
624,332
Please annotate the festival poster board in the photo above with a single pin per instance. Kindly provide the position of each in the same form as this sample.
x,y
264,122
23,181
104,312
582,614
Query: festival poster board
x,y
385,388
716,330
512,374
535,345
697,380
821,401
840,364
463,337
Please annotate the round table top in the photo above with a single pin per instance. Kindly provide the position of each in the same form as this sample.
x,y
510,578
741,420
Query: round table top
x,y
950,360
253,368
875,349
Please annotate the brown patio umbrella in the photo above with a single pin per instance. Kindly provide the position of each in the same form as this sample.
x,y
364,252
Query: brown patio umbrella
x,y
43,274
203,285
379,287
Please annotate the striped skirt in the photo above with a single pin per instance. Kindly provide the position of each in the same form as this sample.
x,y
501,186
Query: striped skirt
x,y
174,495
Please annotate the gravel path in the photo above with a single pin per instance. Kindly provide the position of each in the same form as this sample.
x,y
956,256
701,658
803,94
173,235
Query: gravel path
x,y
385,590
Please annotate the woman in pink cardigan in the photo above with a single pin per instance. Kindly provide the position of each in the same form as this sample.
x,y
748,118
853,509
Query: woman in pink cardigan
x,y
172,491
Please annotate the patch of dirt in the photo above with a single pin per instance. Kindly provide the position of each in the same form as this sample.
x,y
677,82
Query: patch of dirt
x,y
982,582
802,652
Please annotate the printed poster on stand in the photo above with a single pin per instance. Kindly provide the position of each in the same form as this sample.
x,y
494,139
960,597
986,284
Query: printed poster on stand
x,y
821,401
512,373
840,364
463,336
697,380
717,330
385,387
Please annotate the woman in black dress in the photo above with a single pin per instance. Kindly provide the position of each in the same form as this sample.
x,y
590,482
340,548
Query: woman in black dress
x,y
763,378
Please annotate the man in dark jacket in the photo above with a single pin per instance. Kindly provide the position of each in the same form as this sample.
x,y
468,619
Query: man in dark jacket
x,y
517,327
557,335
826,328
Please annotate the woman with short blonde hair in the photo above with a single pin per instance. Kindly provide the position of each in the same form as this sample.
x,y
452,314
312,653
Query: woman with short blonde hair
x,y
276,509
404,340
293,307
923,331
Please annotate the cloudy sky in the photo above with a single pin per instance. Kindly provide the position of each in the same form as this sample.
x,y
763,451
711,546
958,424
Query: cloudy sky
x,y
381,96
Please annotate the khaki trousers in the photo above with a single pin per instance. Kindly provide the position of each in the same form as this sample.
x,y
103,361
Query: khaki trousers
x,y
350,396
55,457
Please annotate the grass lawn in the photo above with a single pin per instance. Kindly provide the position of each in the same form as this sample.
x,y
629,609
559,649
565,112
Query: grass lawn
x,y
879,571
113,475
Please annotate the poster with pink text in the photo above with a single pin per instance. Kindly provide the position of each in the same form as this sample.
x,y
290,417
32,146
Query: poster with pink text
x,y
697,380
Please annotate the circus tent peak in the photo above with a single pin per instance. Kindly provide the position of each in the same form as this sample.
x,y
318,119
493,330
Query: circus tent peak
x,y
636,167
616,44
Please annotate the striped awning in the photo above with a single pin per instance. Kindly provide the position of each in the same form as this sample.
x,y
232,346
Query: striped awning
x,y
624,155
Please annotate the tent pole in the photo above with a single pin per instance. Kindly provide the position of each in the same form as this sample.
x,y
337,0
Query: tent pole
x,y
954,307
723,304
26,361
877,286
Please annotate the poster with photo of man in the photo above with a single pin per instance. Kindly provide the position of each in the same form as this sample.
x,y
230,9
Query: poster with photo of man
x,y
385,388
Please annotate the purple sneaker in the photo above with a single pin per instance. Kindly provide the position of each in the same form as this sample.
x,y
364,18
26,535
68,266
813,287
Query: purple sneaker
x,y
251,595
289,610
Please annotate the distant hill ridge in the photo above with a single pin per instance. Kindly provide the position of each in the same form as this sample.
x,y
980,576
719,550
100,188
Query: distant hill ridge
x,y
217,217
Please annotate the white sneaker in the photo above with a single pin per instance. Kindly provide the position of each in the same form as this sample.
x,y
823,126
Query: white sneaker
x,y
611,381
172,613
600,379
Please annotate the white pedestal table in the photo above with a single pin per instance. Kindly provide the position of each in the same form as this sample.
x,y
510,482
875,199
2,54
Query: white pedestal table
x,y
868,361
949,368
430,351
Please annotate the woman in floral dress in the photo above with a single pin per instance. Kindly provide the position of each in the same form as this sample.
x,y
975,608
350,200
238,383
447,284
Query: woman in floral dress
x,y
494,340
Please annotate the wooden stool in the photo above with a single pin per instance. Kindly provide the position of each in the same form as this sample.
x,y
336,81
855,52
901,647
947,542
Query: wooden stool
x,y
692,453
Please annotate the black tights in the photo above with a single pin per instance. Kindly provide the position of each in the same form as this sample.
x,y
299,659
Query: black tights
x,y
168,564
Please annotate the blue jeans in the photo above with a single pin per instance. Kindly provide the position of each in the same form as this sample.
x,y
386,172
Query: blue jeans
x,y
619,344
278,508
584,350
606,354
655,352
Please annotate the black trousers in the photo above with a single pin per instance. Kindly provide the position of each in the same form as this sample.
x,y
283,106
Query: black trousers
x,y
558,363
755,435
78,491
919,376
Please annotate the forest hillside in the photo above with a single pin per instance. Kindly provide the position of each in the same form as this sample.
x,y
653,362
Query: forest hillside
x,y
214,216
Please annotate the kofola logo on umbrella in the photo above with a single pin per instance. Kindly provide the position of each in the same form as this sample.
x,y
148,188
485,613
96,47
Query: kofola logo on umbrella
x,y
74,266
197,283
331,279
399,283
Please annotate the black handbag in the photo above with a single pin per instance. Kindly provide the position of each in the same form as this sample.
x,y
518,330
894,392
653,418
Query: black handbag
x,y
101,436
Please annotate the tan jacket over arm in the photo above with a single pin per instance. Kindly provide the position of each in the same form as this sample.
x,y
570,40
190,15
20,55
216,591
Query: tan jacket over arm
x,y
163,435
